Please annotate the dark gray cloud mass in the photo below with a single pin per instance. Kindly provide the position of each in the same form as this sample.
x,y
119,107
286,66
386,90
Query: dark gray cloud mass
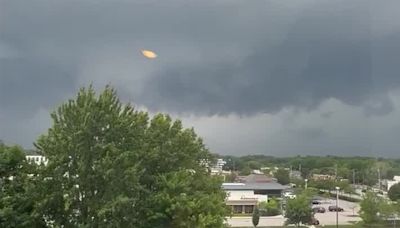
x,y
215,57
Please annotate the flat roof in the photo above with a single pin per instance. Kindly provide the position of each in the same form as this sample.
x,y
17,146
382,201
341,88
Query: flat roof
x,y
253,186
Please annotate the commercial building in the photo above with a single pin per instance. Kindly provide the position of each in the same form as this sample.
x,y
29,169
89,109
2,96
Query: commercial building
x,y
243,197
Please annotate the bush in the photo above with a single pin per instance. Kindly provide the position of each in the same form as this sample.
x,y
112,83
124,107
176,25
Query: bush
x,y
270,208
394,192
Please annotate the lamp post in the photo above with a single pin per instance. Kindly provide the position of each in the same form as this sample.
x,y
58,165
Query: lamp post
x,y
305,186
337,207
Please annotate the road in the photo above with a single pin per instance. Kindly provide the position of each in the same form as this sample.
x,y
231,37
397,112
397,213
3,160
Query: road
x,y
328,218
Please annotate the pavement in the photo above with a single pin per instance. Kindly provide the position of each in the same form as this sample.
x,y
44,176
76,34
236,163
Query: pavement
x,y
348,216
327,218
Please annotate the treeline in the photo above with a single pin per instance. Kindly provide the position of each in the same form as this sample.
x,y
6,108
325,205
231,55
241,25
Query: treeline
x,y
361,170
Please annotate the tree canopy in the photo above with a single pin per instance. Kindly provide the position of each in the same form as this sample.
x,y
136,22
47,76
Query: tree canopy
x,y
282,176
394,192
113,166
298,210
369,208
16,200
256,217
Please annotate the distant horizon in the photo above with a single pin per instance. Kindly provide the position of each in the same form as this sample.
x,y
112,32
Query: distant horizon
x,y
264,155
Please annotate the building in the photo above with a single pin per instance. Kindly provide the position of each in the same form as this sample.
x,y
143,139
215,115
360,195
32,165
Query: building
x,y
217,167
295,174
254,178
243,197
390,183
37,159
318,177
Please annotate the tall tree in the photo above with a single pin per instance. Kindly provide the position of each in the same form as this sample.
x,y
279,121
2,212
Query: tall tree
x,y
370,206
111,166
298,210
256,217
282,176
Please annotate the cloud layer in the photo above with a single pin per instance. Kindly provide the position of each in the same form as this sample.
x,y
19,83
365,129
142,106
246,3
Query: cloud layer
x,y
229,63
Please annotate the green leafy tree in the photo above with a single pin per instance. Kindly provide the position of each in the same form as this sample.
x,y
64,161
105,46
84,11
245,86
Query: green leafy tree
x,y
112,166
16,201
282,176
369,208
254,165
271,207
245,171
298,210
387,210
394,192
230,177
256,217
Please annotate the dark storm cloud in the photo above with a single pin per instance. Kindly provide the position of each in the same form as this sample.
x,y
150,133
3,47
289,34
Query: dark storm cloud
x,y
327,53
215,57
325,49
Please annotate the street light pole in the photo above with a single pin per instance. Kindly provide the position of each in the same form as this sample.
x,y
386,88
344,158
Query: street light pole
x,y
337,207
306,180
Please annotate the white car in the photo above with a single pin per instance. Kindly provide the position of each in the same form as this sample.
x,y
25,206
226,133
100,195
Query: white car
x,y
289,195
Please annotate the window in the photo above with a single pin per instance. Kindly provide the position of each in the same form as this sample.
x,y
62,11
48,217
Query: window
x,y
248,209
237,209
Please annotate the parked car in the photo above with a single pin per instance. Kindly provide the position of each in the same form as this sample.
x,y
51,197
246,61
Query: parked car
x,y
314,221
334,208
314,201
289,195
319,210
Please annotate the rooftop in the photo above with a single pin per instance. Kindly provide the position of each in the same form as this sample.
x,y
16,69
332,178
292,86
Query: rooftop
x,y
255,178
253,186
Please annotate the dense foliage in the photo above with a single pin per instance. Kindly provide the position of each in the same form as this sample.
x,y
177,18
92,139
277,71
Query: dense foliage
x,y
394,192
112,166
375,209
282,176
256,217
16,195
298,210
270,208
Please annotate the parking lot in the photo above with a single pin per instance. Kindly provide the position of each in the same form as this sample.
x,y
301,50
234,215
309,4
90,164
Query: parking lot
x,y
345,217
327,218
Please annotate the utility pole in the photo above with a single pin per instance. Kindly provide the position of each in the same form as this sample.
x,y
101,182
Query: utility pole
x,y
379,178
337,207
354,176
336,172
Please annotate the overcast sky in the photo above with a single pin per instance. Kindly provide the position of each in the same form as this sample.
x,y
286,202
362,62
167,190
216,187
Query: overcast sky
x,y
253,77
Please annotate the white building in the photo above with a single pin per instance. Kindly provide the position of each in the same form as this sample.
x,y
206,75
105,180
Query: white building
x,y
243,197
217,167
390,183
37,159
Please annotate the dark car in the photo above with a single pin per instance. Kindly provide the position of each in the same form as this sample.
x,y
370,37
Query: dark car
x,y
319,210
334,208
313,221
314,201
